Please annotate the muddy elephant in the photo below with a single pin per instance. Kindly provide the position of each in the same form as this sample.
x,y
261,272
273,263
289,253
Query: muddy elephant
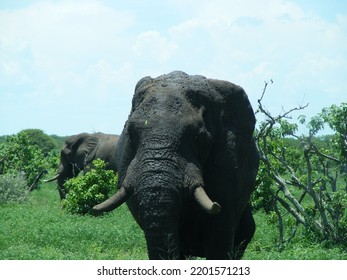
x,y
79,151
187,164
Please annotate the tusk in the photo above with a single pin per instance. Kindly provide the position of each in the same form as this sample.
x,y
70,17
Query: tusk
x,y
205,202
113,202
52,179
118,198
125,192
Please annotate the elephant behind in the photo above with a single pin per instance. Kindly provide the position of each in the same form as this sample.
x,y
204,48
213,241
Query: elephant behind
x,y
187,164
78,153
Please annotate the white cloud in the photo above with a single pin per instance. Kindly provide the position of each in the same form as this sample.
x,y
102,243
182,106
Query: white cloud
x,y
105,79
46,52
10,68
56,52
61,35
151,45
251,41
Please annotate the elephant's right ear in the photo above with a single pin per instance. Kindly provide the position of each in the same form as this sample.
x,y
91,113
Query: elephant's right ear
x,y
88,146
140,91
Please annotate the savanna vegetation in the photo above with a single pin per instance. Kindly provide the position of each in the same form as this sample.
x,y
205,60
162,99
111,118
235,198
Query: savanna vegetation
x,y
299,203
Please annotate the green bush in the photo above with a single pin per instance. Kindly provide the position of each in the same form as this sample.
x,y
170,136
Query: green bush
x,y
86,191
40,139
18,155
13,188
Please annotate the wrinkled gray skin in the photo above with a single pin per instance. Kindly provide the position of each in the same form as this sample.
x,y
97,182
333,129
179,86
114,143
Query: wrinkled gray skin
x,y
188,137
78,153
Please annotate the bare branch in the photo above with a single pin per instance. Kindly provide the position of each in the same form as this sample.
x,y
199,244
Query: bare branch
x,y
291,210
285,176
316,149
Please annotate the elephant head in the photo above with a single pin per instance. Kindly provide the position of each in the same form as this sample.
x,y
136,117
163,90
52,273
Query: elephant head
x,y
187,164
78,153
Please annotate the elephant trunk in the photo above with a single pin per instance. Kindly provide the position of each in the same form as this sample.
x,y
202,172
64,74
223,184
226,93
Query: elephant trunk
x,y
162,245
160,218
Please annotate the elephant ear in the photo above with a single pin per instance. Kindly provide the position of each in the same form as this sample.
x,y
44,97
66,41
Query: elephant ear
x,y
234,150
87,145
237,113
237,123
140,90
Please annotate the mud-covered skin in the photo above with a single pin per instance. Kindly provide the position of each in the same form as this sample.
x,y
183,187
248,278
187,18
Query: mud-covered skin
x,y
186,133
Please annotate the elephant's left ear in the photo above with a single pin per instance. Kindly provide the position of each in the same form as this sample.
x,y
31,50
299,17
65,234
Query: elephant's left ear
x,y
237,111
89,147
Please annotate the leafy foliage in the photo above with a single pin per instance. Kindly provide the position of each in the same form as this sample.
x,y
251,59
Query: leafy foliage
x,y
40,139
86,191
58,140
336,117
19,156
53,159
302,184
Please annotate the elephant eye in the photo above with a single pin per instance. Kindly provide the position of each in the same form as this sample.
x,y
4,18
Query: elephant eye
x,y
203,137
132,132
202,144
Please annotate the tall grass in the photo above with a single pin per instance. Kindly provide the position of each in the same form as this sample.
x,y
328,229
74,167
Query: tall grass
x,y
41,229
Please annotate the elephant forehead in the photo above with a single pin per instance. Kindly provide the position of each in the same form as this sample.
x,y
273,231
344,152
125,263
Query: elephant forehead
x,y
163,103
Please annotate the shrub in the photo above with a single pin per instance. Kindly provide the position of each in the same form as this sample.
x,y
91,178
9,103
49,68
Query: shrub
x,y
17,155
13,188
86,191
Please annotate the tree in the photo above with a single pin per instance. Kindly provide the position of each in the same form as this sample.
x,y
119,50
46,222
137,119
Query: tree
x,y
40,139
336,117
19,156
301,181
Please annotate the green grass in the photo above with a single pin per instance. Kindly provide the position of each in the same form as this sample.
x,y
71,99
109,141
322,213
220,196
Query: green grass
x,y
303,246
40,229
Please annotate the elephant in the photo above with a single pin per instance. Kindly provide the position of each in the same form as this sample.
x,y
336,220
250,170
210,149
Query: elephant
x,y
187,163
78,153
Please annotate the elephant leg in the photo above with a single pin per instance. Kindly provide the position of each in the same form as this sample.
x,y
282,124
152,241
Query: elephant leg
x,y
61,188
219,239
63,177
245,233
226,243
218,250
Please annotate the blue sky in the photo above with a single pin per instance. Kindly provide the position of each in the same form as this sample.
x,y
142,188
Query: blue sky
x,y
71,66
